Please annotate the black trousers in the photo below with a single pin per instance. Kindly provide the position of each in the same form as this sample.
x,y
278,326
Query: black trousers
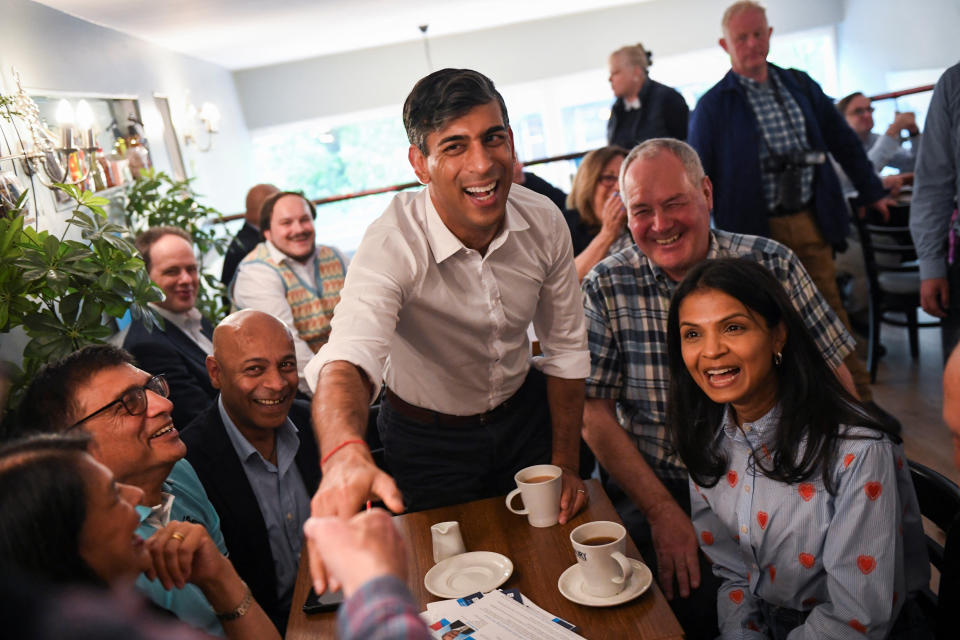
x,y
436,464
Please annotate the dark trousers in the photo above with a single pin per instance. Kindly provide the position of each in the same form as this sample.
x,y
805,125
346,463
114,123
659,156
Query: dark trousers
x,y
950,326
697,613
436,464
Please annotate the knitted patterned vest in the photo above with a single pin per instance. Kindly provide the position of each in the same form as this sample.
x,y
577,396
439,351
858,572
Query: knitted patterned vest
x,y
312,308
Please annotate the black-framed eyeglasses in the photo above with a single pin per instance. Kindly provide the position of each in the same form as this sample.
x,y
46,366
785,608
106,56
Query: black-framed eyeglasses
x,y
862,111
608,179
134,399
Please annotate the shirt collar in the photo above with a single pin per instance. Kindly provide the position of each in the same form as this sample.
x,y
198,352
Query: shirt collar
x,y
760,430
157,516
629,104
279,256
185,320
287,442
443,243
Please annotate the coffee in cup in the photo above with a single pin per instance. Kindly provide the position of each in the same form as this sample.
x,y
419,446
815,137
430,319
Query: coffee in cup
x,y
540,486
600,548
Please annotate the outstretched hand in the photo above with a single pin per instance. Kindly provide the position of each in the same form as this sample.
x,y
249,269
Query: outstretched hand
x,y
350,479
358,549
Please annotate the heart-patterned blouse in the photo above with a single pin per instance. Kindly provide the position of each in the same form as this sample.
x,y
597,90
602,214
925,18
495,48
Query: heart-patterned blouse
x,y
848,559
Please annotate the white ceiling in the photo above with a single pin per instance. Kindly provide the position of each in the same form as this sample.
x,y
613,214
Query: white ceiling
x,y
239,34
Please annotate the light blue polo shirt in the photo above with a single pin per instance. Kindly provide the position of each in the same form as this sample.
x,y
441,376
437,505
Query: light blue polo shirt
x,y
189,504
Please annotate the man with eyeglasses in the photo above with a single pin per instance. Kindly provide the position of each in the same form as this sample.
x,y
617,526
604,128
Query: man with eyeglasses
x,y
128,414
885,150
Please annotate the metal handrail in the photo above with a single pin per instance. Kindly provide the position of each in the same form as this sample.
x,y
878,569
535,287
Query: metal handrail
x,y
568,156
406,185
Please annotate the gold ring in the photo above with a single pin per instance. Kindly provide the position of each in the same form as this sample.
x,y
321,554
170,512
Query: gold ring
x,y
176,535
580,491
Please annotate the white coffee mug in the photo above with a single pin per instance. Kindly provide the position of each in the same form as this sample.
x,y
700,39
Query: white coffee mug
x,y
540,486
600,548
447,540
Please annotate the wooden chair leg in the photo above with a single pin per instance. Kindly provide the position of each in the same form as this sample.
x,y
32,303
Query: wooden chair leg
x,y
913,330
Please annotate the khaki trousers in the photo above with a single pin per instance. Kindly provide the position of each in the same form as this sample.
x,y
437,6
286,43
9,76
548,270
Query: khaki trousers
x,y
800,232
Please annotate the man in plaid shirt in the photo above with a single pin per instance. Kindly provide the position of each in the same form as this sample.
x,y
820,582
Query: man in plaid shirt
x,y
626,298
751,131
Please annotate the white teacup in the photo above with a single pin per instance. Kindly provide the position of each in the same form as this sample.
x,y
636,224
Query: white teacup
x,y
540,486
600,548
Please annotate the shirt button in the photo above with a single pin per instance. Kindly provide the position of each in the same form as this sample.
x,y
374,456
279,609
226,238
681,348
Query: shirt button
x,y
746,488
289,516
746,428
743,528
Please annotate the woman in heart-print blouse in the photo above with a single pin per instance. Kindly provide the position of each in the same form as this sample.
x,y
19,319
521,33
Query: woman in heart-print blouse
x,y
802,501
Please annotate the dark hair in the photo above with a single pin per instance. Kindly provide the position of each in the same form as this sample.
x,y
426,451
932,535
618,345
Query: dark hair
x,y
266,209
813,403
43,505
49,404
145,239
844,102
442,96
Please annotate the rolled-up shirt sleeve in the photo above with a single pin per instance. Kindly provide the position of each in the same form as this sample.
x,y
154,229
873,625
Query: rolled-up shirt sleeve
x,y
559,318
365,319
937,177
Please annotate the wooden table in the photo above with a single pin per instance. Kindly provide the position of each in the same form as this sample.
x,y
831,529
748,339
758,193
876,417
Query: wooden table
x,y
539,557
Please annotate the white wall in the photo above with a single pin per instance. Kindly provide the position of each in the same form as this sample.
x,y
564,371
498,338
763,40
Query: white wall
x,y
886,36
57,52
382,76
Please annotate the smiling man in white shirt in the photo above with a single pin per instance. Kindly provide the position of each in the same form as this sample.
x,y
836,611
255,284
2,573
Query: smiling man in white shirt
x,y
289,276
436,305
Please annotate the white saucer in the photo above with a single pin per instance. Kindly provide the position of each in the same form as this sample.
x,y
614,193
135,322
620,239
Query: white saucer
x,y
571,586
467,573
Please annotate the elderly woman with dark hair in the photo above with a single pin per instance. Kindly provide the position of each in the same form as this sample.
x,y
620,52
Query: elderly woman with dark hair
x,y
802,501
65,520
595,212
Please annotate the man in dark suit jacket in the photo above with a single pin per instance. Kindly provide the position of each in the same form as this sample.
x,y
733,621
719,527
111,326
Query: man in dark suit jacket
x,y
179,350
249,235
255,454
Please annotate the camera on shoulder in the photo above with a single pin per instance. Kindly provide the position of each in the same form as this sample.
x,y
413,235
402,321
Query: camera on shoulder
x,y
788,167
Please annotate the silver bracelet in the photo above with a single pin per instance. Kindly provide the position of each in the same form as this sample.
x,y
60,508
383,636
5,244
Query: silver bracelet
x,y
241,609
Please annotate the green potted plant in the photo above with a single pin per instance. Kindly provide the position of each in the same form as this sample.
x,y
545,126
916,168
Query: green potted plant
x,y
59,290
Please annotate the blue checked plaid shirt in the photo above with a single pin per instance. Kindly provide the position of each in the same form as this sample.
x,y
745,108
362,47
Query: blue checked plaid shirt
x,y
381,609
777,134
627,298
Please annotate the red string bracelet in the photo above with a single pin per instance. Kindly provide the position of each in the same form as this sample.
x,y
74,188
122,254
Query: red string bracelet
x,y
341,446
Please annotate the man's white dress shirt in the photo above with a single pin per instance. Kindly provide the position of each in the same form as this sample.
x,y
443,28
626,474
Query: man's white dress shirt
x,y
190,323
446,327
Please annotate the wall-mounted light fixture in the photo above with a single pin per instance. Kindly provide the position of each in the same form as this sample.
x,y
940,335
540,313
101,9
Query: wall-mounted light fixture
x,y
206,121
42,153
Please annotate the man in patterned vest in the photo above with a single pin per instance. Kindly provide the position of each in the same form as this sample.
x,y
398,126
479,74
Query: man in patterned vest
x,y
290,277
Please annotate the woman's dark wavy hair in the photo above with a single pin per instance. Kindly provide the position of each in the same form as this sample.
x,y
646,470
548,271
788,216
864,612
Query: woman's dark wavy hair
x,y
813,402
43,505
